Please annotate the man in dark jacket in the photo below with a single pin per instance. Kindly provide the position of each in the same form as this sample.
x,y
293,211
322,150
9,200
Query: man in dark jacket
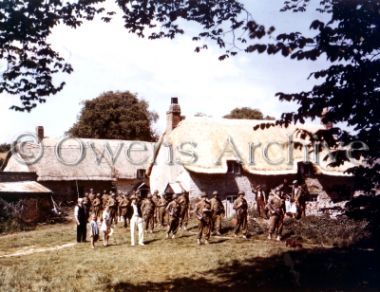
x,y
81,220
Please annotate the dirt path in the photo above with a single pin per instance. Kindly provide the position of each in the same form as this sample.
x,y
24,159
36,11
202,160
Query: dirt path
x,y
37,250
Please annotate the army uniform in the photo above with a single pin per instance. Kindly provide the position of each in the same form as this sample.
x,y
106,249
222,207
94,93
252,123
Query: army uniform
x,y
173,209
97,206
217,213
112,204
147,208
91,197
299,197
156,198
183,201
104,199
124,209
203,213
162,204
276,209
241,208
87,206
260,202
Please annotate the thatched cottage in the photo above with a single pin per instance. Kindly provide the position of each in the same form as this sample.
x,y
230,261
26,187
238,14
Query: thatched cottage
x,y
207,154
70,167
28,200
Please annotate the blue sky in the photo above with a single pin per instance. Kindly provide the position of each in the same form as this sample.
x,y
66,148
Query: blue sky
x,y
105,57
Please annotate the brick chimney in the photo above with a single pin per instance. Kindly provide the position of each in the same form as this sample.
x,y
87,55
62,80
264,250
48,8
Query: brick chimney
x,y
173,115
40,133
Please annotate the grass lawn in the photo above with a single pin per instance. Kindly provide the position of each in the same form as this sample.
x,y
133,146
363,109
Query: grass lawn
x,y
180,264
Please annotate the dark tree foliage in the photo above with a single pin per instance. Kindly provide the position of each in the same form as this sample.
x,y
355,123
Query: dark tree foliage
x,y
348,89
247,113
29,62
349,40
115,115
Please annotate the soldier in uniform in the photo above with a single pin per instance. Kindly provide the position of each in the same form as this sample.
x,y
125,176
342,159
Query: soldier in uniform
x,y
261,201
91,197
147,209
217,213
87,206
276,210
173,209
184,202
299,197
203,214
124,208
285,189
104,199
156,198
241,208
97,205
162,204
112,204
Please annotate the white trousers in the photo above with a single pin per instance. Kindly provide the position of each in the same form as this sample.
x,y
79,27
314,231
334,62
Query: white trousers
x,y
140,226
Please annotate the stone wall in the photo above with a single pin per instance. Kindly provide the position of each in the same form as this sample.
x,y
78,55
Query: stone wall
x,y
323,203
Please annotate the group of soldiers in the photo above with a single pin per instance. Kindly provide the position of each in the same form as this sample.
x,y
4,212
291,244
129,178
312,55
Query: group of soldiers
x,y
154,207
287,199
173,212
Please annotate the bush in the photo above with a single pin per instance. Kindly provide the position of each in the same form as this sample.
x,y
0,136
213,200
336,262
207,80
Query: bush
x,y
326,231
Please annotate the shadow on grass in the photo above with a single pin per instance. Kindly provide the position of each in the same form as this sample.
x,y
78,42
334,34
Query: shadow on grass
x,y
152,240
317,269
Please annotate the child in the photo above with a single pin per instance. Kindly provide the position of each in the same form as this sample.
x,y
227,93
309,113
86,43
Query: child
x,y
94,230
106,225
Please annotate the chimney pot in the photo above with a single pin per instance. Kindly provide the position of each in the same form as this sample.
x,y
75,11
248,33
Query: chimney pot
x,y
40,133
174,100
173,115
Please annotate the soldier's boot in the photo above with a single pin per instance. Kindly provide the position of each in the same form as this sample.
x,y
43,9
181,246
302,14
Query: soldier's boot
x,y
270,236
173,236
207,242
278,238
198,241
167,235
245,236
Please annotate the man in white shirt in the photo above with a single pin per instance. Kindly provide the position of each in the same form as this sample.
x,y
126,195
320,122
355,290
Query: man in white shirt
x,y
136,219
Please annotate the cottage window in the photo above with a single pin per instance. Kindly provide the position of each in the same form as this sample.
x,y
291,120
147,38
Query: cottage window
x,y
140,174
234,167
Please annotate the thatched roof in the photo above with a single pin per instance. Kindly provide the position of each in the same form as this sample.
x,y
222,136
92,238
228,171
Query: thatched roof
x,y
23,187
216,139
91,167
